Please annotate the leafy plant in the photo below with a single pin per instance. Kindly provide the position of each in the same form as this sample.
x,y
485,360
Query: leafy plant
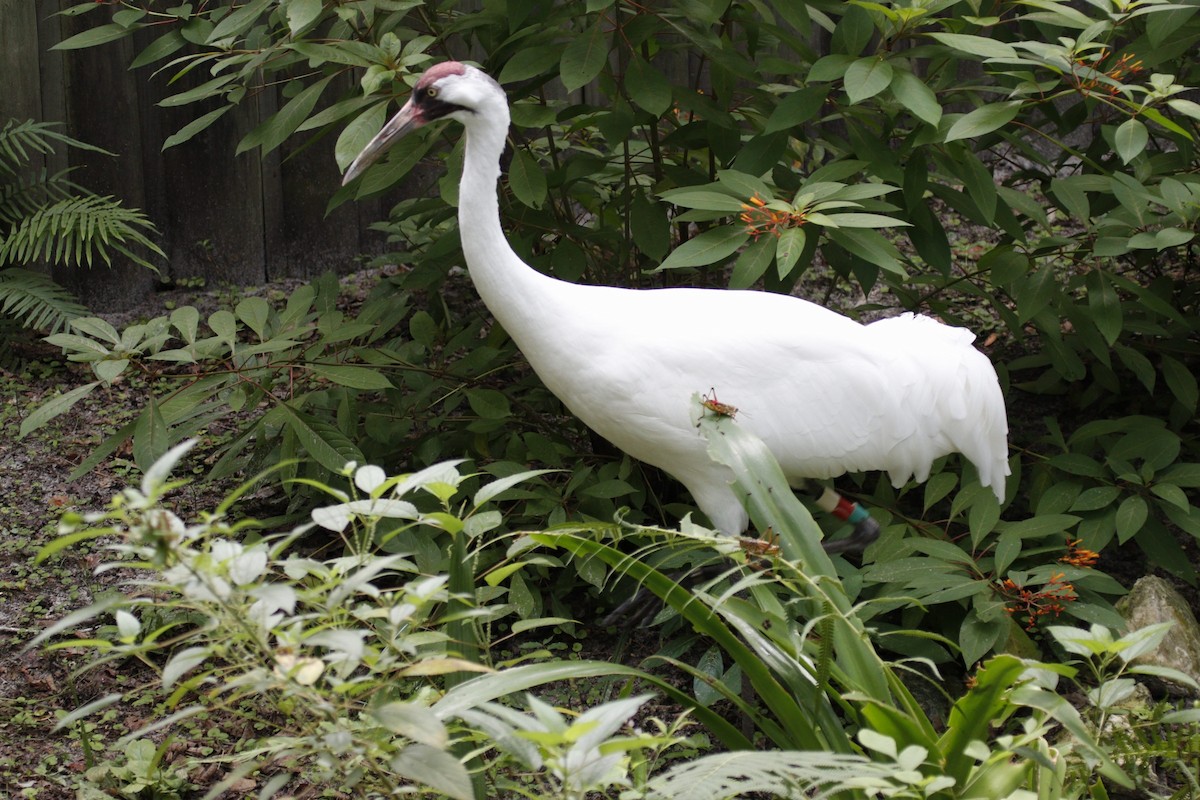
x,y
49,218
363,659
139,774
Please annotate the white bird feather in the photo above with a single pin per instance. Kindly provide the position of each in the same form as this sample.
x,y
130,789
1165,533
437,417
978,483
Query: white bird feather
x,y
825,393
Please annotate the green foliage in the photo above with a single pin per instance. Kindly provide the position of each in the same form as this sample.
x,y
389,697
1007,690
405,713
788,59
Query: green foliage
x,y
865,131
358,659
48,218
789,627
138,774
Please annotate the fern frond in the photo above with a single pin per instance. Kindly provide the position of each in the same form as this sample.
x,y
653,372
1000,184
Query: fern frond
x,y
36,301
21,141
75,230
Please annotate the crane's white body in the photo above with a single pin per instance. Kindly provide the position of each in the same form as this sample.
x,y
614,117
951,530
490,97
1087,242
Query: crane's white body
x,y
827,394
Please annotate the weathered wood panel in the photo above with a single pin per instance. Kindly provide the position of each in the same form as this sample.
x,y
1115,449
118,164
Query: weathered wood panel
x,y
224,219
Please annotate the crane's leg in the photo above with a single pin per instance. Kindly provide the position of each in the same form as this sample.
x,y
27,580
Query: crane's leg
x,y
866,529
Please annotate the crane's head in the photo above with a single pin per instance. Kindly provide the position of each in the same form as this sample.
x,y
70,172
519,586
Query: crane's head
x,y
448,90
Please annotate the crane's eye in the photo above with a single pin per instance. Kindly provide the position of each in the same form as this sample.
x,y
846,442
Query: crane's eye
x,y
431,91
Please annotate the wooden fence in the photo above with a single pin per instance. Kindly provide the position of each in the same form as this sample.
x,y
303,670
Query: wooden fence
x,y
243,220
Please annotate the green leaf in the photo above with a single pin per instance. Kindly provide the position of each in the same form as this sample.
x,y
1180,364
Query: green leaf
x,y
239,21
254,311
159,49
1181,381
982,120
301,14
150,438
527,180
94,36
703,198
650,226
196,126
355,136
271,133
976,45
796,108
51,409
647,86
866,77
530,62
915,95
870,246
752,262
414,721
584,57
489,403
788,248
1131,516
855,219
707,248
351,376
1104,305
1130,139
490,491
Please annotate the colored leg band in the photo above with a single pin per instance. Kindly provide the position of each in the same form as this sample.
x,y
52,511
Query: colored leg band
x,y
833,503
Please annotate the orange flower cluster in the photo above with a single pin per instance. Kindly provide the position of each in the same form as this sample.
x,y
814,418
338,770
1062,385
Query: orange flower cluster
x,y
1035,605
762,220
1079,556
1124,67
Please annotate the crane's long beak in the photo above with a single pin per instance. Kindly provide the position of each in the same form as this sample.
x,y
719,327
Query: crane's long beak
x,y
407,119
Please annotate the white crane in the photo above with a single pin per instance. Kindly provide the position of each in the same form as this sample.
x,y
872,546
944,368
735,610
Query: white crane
x,y
827,394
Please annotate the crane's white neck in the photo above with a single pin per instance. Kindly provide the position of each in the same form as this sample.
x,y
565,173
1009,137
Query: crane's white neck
x,y
513,291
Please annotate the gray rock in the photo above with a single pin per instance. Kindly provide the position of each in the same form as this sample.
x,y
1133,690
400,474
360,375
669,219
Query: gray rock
x,y
1153,600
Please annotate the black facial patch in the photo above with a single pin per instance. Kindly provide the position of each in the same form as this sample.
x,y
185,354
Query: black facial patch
x,y
434,107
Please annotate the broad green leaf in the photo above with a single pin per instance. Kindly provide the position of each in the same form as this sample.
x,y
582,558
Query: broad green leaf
x,y
272,132
489,403
1104,305
796,108
915,95
413,720
1131,516
527,180
150,436
491,490
752,262
52,408
650,226
856,219
239,21
254,311
707,248
529,62
302,13
788,248
867,77
647,86
207,89
159,49
94,36
1130,139
703,198
194,127
584,57
976,45
870,246
351,376
355,136
983,120
1181,381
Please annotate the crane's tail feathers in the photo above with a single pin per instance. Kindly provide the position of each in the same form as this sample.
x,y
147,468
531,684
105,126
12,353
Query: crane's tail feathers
x,y
959,388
